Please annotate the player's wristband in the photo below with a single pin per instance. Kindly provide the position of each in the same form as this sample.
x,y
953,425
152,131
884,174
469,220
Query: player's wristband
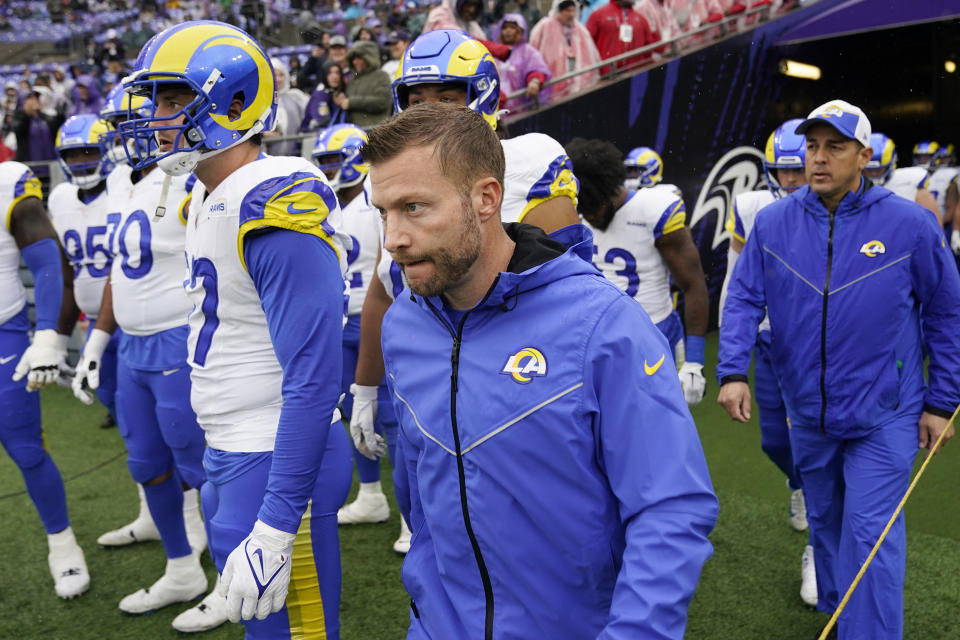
x,y
695,346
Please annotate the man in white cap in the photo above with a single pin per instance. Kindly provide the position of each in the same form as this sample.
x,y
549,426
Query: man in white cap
x,y
864,287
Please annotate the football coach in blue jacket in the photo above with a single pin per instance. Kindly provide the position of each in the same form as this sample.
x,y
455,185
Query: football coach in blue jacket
x,y
558,487
860,286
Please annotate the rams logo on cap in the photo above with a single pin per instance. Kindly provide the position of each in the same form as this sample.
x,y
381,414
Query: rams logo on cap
x,y
833,110
873,248
525,364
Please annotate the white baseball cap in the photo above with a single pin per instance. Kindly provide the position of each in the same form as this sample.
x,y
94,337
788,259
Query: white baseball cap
x,y
849,120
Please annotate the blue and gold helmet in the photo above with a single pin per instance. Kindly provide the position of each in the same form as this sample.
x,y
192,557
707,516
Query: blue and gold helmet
x,y
644,168
218,63
947,156
118,107
84,132
450,56
925,154
786,149
337,153
884,158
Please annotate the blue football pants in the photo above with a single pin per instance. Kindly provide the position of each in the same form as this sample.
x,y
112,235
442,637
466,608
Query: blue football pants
x,y
774,432
22,436
231,499
160,431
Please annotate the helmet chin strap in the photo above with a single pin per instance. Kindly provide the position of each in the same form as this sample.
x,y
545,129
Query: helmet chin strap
x,y
183,162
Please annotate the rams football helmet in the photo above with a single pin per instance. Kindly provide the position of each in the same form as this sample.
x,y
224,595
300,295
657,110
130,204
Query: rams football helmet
x,y
337,153
947,157
118,107
884,159
450,56
925,154
786,149
216,62
83,132
644,168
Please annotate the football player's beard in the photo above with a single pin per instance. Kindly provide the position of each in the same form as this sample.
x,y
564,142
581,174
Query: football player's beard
x,y
450,264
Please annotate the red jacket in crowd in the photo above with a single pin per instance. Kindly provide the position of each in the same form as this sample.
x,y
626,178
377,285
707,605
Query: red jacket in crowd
x,y
618,29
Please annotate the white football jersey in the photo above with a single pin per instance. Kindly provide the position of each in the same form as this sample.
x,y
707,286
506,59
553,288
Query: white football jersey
x,y
362,223
537,169
148,266
743,214
16,183
939,183
905,182
236,377
744,211
625,252
86,232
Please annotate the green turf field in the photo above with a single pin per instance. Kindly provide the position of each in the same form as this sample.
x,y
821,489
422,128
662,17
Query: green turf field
x,y
749,590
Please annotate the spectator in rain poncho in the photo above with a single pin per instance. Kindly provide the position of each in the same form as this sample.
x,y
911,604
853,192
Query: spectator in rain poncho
x,y
86,97
566,45
660,17
291,105
524,68
464,15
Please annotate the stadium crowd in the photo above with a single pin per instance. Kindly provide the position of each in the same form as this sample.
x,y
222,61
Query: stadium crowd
x,y
541,56
442,231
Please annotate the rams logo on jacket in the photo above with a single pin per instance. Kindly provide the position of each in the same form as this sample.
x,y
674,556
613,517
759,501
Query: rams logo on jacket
x,y
525,364
873,248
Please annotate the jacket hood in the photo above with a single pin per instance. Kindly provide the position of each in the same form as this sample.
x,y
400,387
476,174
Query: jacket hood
x,y
517,19
368,50
554,9
283,81
852,203
538,260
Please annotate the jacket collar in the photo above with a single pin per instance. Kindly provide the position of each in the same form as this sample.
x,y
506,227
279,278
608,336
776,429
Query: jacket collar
x,y
852,203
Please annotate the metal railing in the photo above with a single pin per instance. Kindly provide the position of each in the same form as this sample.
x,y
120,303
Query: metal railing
x,y
674,47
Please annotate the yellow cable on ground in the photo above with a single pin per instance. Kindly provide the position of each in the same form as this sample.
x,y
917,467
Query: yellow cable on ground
x,y
886,530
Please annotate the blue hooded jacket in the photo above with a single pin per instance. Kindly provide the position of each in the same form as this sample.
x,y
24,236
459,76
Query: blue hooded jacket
x,y
856,299
557,483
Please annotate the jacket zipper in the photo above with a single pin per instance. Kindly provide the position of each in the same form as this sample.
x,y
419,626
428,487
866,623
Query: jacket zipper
x,y
823,332
454,375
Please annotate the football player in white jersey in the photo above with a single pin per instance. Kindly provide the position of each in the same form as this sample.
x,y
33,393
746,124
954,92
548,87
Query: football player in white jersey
x,y
26,232
265,274
539,186
645,170
144,297
911,183
783,168
948,172
639,241
78,208
935,158
337,153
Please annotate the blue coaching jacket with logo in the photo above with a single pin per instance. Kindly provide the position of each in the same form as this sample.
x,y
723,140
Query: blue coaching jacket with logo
x,y
856,299
557,483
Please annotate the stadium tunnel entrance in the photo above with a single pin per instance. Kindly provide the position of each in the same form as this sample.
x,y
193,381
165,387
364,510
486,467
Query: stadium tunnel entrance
x,y
709,113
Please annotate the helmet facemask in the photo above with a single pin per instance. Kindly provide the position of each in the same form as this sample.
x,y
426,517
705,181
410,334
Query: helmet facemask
x,y
210,66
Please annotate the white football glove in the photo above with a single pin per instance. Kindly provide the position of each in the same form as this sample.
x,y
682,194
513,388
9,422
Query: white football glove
x,y
693,383
367,441
955,241
256,575
88,369
40,363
